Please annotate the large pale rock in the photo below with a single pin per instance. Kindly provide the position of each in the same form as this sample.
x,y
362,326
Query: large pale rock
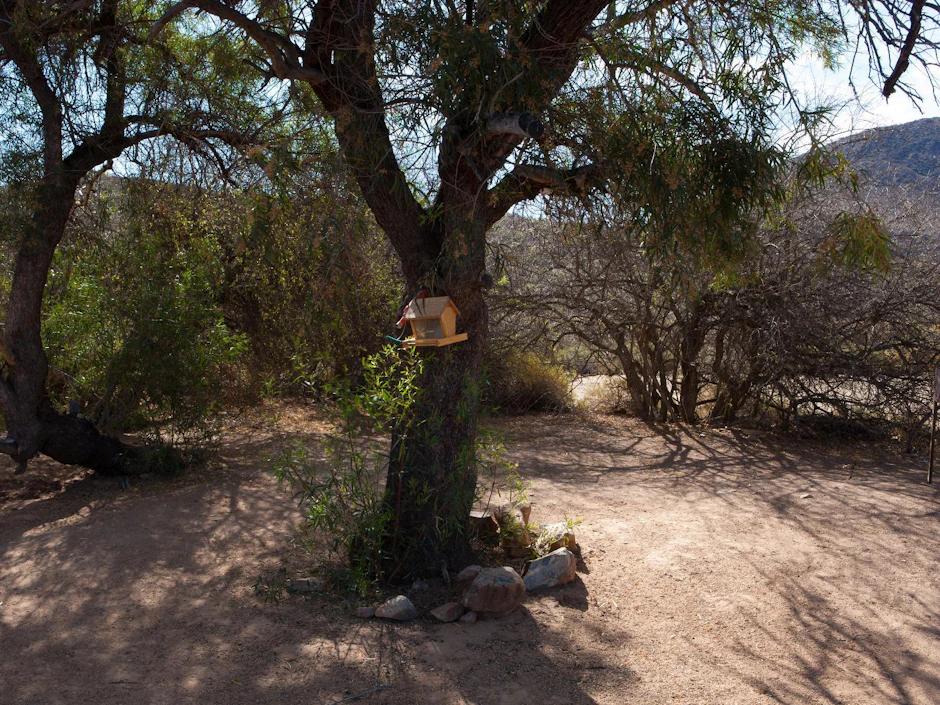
x,y
466,577
555,536
448,612
398,608
557,568
484,523
495,591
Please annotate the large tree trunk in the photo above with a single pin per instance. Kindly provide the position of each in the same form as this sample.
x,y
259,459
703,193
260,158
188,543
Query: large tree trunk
x,y
432,471
432,475
33,425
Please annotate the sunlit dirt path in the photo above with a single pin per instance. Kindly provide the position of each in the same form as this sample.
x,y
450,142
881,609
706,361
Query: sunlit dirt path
x,y
719,567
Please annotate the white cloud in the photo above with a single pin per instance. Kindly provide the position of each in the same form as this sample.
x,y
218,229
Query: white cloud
x,y
867,108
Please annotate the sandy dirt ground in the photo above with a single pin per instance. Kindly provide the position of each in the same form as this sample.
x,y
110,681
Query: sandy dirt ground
x,y
719,567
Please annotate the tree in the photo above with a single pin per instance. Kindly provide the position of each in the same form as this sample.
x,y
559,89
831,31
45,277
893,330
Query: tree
x,y
644,319
449,115
811,322
81,87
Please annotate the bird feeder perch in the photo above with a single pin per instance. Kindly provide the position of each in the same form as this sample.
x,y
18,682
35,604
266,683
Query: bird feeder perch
x,y
433,322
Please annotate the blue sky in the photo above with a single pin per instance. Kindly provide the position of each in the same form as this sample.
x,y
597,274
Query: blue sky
x,y
871,110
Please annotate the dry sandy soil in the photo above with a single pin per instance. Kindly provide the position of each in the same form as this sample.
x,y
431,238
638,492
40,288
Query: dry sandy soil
x,y
719,567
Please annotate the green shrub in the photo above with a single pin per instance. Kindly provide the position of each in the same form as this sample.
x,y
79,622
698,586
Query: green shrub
x,y
344,511
521,382
132,323
313,285
342,490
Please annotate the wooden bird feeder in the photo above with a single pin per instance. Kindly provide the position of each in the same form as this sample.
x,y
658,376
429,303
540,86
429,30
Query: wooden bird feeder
x,y
433,322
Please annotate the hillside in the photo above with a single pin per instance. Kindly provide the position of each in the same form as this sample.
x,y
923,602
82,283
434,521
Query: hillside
x,y
898,155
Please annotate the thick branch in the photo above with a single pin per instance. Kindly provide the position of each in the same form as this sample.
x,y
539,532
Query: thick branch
x,y
171,14
29,67
116,83
527,181
554,42
904,58
285,56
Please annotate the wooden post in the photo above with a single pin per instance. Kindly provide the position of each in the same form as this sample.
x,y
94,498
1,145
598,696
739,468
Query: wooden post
x,y
933,424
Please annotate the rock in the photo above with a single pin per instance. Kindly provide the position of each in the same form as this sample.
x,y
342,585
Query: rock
x,y
418,585
469,618
365,612
514,535
398,608
448,612
495,590
484,523
555,536
304,585
514,551
557,568
520,512
466,577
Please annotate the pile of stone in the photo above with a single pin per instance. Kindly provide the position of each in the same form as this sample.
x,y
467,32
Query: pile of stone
x,y
519,537
498,591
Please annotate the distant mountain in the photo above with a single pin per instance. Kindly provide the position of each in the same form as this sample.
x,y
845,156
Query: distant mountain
x,y
898,155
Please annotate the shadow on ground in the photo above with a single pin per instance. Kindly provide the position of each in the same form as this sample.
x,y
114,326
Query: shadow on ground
x,y
719,568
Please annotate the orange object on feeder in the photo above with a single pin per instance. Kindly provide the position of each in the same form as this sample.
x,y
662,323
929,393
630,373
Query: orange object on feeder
x,y
433,322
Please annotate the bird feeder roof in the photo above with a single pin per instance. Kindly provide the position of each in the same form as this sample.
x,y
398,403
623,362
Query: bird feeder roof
x,y
432,307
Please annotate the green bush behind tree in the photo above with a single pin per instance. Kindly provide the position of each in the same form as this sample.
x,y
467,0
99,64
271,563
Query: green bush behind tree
x,y
167,301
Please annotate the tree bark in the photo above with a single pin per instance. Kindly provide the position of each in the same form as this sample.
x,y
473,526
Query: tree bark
x,y
432,470
692,342
32,423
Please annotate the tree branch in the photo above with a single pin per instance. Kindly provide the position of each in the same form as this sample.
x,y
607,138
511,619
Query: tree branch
x,y
650,66
171,14
116,75
26,61
904,58
552,40
285,56
527,181
622,21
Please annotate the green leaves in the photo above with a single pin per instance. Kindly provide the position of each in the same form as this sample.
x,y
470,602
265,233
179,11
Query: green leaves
x,y
342,498
857,241
133,323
